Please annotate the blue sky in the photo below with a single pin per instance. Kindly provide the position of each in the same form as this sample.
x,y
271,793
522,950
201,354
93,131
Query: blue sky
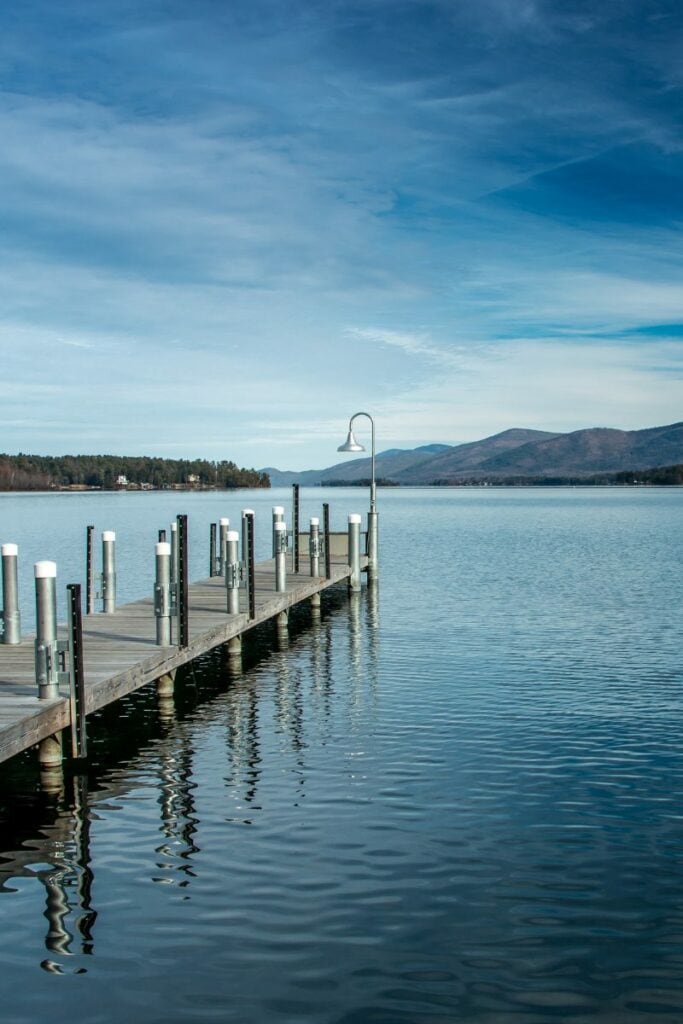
x,y
226,226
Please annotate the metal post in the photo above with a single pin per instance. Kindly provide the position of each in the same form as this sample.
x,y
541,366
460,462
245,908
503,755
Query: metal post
x,y
232,571
314,546
354,550
251,565
79,741
373,545
174,553
183,584
278,517
245,534
46,657
162,536
280,529
212,550
162,593
223,527
108,571
11,619
89,572
326,530
295,525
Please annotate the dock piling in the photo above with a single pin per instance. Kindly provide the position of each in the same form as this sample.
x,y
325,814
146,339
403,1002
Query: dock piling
x,y
280,544
314,546
223,527
212,550
108,571
232,571
183,583
162,594
11,619
295,526
89,571
278,517
46,654
354,551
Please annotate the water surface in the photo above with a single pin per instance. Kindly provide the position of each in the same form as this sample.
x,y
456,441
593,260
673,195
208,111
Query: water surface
x,y
456,798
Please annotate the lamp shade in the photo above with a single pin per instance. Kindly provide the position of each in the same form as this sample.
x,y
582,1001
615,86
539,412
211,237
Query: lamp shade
x,y
351,445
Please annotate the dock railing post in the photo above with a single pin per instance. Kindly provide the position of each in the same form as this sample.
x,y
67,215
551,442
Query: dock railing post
x,y
232,571
278,517
280,557
11,619
162,593
295,526
108,571
223,527
251,565
89,571
174,553
354,551
79,741
212,549
46,654
326,529
314,546
183,583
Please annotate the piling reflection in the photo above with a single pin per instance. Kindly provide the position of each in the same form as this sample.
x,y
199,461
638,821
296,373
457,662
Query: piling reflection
x,y
243,748
179,821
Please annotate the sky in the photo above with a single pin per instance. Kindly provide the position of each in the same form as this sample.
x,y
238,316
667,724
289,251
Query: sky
x,y
228,225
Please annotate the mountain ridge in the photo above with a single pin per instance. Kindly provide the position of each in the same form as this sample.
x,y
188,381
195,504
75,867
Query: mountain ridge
x,y
516,452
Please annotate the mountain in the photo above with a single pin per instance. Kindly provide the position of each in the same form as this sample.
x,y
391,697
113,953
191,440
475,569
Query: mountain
x,y
463,459
388,464
512,453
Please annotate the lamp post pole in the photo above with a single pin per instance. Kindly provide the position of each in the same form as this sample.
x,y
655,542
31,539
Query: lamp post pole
x,y
351,445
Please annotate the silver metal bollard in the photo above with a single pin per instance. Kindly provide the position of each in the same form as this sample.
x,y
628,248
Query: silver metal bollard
x,y
314,546
280,544
354,551
162,593
223,527
108,571
232,571
46,654
278,517
11,619
373,545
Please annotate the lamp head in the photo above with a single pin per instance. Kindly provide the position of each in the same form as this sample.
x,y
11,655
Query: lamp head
x,y
351,445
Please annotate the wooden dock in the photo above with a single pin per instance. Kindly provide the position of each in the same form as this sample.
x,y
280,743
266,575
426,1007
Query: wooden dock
x,y
120,652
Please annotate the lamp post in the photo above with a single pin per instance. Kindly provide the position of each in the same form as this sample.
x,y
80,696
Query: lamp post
x,y
351,445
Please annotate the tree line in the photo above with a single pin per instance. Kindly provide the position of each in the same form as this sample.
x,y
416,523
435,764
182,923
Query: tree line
x,y
44,472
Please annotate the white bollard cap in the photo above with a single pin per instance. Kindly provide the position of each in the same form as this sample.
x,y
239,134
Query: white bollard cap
x,y
248,512
45,570
278,510
315,521
224,522
163,548
174,526
10,549
279,527
232,535
354,517
108,535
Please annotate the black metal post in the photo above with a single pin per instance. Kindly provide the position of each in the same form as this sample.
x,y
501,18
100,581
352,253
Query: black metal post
x,y
251,566
326,531
162,536
183,583
79,741
212,550
89,573
295,526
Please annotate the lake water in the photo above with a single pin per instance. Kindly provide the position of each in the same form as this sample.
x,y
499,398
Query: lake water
x,y
456,798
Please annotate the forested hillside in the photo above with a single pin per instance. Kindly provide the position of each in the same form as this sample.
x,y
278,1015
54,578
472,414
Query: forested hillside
x,y
42,472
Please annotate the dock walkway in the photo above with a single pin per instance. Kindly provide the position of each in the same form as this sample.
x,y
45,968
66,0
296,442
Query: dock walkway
x,y
120,652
